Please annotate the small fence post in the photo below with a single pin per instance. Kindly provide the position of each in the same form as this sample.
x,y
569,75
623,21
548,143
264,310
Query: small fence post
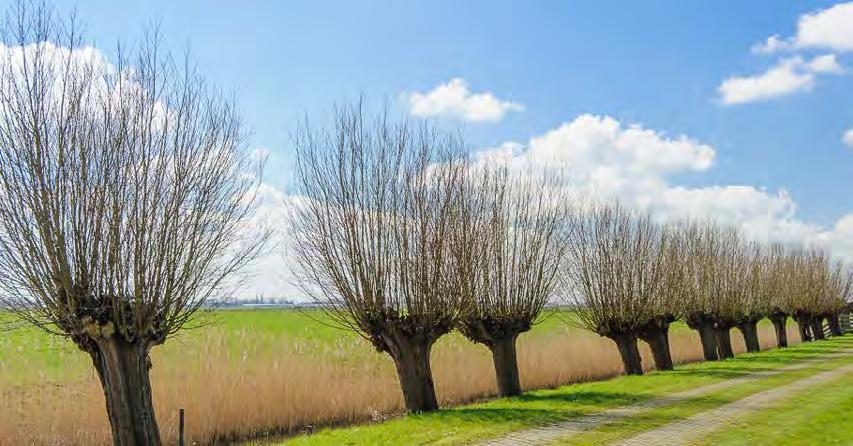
x,y
181,427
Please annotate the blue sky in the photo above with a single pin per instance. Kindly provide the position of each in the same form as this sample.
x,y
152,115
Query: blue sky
x,y
656,63
777,140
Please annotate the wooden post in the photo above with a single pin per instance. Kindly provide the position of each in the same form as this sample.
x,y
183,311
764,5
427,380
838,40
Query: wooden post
x,y
181,427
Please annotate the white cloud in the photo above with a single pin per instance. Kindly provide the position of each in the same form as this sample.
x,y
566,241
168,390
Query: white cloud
x,y
773,44
830,29
454,99
610,160
638,166
840,237
825,29
791,75
847,139
827,64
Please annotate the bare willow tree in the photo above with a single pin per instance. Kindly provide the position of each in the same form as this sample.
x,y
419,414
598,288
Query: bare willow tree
x,y
513,248
374,236
728,282
617,268
754,263
779,294
796,281
701,304
838,292
123,190
716,281
808,280
668,304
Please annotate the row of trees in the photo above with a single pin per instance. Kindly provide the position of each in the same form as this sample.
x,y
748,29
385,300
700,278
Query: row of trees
x,y
402,241
632,277
403,238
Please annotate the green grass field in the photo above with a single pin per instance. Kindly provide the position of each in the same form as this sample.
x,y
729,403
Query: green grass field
x,y
797,421
28,354
297,370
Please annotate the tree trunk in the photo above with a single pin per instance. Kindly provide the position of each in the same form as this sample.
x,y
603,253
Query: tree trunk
x,y
779,323
705,327
506,366
415,373
123,370
658,340
630,353
724,342
709,341
834,325
749,330
805,329
817,327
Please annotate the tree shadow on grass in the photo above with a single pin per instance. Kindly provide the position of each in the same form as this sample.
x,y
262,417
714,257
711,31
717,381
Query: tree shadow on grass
x,y
597,398
498,415
568,406
787,357
724,373
658,417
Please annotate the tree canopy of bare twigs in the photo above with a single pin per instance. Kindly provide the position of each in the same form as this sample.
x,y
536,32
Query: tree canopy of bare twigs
x,y
718,270
808,281
778,291
839,290
510,252
375,237
752,303
617,270
123,189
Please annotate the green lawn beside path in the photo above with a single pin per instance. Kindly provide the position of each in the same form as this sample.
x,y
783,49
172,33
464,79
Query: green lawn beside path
x,y
823,416
493,419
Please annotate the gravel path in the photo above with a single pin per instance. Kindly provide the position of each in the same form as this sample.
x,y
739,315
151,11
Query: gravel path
x,y
546,434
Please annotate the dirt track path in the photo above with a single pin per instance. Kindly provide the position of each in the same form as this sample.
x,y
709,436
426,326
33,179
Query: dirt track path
x,y
566,429
683,431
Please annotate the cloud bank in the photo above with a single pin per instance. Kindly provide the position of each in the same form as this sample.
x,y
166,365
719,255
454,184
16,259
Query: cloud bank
x,y
638,166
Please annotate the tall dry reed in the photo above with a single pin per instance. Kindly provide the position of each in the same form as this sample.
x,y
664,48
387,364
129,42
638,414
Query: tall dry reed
x,y
255,390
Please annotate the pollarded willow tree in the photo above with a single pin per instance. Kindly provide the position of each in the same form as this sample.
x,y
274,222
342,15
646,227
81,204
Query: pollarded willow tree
x,y
755,263
123,190
669,303
728,283
809,282
717,267
839,290
616,268
781,297
702,303
512,253
375,238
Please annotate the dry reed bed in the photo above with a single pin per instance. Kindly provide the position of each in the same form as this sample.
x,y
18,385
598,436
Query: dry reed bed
x,y
256,391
